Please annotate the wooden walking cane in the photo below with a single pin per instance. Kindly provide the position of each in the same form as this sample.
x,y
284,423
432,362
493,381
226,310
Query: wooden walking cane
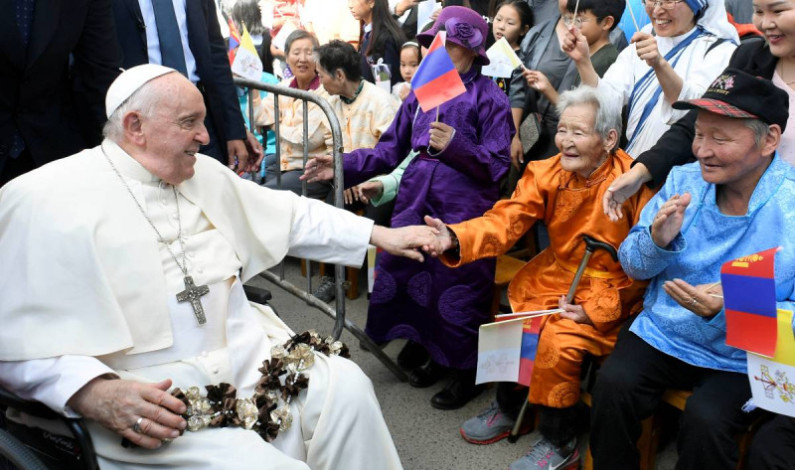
x,y
591,245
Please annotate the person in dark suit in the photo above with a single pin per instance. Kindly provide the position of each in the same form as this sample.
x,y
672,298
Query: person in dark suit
x,y
189,40
57,60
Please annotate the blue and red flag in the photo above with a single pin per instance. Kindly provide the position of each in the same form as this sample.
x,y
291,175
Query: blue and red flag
x,y
436,79
530,330
234,40
749,296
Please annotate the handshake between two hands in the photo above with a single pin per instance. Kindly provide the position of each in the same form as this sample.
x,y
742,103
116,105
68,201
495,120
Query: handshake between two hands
x,y
433,238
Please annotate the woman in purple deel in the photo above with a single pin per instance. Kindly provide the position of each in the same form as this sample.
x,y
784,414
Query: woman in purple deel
x,y
454,177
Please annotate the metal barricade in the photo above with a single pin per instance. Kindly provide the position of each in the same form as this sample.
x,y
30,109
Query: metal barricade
x,y
337,314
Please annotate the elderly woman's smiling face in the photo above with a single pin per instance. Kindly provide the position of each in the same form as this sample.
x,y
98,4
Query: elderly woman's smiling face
x,y
582,148
301,60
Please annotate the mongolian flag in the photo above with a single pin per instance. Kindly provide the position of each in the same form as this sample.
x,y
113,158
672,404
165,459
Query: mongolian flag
x,y
436,80
749,296
234,40
530,330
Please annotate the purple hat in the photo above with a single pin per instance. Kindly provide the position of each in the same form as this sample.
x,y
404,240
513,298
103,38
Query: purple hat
x,y
464,27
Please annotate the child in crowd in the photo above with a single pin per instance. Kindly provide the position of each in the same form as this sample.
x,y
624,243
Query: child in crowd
x,y
410,57
595,20
513,20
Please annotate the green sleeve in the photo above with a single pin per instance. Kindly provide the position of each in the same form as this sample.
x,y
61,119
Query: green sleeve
x,y
392,181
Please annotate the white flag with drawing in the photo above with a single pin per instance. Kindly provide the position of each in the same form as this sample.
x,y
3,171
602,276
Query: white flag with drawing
x,y
773,379
503,60
247,63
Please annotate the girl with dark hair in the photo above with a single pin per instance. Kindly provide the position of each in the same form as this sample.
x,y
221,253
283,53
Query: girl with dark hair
x,y
381,38
512,20
410,57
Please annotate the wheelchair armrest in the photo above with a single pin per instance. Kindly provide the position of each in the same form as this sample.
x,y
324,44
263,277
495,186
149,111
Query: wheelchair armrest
x,y
257,294
75,425
33,408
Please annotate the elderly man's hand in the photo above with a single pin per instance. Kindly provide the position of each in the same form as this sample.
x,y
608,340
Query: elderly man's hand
x,y
403,241
118,405
668,221
320,168
705,300
623,188
573,312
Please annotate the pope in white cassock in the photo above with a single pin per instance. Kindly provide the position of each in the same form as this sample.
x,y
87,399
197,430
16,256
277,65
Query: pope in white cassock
x,y
95,249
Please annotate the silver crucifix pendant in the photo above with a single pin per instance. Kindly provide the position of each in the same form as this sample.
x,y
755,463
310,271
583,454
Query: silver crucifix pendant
x,y
193,294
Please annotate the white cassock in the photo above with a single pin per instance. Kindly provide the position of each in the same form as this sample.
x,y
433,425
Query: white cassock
x,y
88,290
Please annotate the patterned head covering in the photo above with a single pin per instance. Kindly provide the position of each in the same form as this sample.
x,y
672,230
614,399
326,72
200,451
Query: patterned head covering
x,y
713,18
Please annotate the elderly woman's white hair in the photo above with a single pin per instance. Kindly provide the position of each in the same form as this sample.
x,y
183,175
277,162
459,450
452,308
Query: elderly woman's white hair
x,y
608,112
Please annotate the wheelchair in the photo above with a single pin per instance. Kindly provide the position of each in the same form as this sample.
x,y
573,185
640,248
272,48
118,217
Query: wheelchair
x,y
28,448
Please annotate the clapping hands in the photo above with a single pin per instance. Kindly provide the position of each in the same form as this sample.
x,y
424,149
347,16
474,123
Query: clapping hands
x,y
668,221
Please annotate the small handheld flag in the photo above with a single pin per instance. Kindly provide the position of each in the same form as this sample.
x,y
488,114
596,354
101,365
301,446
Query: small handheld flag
x,y
749,295
502,60
530,331
507,348
773,380
247,63
436,80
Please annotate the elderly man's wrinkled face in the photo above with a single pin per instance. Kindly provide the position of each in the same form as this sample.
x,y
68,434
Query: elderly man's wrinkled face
x,y
727,151
582,148
175,130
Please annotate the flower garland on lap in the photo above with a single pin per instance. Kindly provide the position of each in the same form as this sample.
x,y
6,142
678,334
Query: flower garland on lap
x,y
267,412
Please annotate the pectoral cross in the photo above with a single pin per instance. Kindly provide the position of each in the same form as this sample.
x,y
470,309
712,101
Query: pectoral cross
x,y
193,294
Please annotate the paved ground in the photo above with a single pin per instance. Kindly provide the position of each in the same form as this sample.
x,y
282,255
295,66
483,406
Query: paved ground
x,y
426,438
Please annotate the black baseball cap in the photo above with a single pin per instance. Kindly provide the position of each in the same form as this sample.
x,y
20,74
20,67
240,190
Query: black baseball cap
x,y
738,94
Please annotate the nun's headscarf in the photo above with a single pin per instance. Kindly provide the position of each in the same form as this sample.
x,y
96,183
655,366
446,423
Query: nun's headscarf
x,y
714,18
